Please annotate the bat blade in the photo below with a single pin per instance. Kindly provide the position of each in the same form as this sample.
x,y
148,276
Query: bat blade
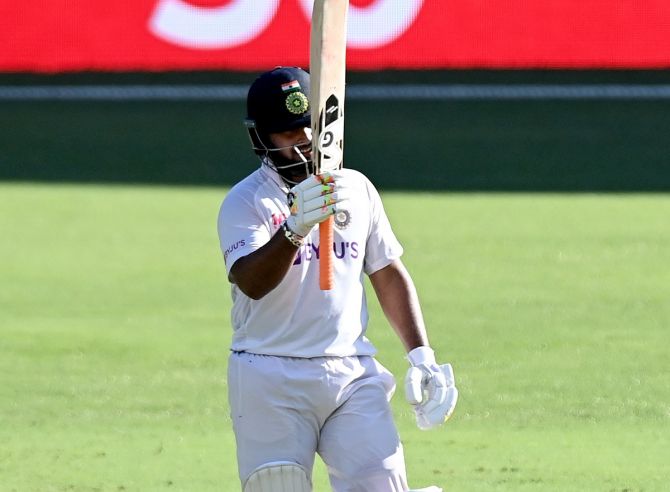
x,y
327,56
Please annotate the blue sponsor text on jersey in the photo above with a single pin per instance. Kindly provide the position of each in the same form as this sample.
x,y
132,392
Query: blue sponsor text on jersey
x,y
341,250
232,248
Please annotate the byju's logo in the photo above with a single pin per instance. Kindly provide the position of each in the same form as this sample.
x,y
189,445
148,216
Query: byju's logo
x,y
239,244
240,21
341,249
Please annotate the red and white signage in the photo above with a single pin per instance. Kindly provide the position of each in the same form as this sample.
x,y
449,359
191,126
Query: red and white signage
x,y
67,35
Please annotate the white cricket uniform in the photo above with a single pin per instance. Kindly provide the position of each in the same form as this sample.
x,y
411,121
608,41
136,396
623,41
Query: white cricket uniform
x,y
301,375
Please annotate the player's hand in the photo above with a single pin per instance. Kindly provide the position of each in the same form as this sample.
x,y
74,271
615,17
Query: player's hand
x,y
430,388
313,201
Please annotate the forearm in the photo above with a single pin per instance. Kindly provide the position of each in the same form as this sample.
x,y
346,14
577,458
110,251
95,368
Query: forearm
x,y
260,272
399,301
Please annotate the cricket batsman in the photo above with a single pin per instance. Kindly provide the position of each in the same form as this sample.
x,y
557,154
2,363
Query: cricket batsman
x,y
302,377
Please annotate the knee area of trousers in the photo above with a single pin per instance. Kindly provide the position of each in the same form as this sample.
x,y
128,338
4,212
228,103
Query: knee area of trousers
x,y
392,466
278,476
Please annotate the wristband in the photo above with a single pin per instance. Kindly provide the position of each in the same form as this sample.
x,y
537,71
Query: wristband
x,y
421,355
295,239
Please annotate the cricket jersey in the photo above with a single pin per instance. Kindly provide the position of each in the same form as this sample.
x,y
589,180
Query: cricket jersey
x,y
296,318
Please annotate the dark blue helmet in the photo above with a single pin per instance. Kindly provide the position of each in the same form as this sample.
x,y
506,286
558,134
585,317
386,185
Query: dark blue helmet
x,y
278,100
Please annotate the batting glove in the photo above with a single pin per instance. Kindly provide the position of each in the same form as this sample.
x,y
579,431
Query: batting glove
x,y
313,201
430,388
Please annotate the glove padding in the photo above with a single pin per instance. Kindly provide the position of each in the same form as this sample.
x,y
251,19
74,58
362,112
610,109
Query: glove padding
x,y
313,201
430,388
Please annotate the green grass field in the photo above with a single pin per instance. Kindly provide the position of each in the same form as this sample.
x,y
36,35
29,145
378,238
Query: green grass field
x,y
553,308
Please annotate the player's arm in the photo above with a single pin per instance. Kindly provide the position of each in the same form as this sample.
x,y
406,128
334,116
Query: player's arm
x,y
399,301
311,202
257,273
430,388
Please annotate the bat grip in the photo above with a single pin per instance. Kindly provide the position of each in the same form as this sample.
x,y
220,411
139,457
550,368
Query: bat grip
x,y
326,273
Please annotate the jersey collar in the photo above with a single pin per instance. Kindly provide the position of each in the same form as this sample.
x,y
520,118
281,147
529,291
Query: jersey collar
x,y
270,173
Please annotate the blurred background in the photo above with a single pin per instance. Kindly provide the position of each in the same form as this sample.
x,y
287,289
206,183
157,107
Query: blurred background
x,y
442,95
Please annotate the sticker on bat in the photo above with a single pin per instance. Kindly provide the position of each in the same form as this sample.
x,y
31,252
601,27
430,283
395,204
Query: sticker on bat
x,y
332,135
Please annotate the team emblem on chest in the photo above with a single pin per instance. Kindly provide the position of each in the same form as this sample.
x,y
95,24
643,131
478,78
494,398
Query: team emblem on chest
x,y
342,219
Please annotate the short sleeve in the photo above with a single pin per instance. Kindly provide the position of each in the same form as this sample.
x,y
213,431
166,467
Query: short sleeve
x,y
382,246
242,229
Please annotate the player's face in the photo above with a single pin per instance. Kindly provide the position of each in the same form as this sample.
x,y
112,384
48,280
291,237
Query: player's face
x,y
294,145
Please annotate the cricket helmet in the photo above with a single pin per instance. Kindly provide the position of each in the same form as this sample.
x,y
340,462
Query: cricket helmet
x,y
278,101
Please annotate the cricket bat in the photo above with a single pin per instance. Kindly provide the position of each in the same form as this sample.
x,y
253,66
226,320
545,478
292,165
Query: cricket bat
x,y
327,67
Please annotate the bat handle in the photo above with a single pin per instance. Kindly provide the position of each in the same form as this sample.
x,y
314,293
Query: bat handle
x,y
326,274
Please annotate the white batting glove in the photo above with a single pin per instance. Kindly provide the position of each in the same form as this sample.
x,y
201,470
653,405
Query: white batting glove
x,y
313,201
430,388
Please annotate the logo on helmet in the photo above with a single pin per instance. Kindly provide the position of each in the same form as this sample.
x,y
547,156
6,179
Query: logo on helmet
x,y
297,102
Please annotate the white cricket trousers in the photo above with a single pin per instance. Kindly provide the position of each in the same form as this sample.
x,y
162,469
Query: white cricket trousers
x,y
288,409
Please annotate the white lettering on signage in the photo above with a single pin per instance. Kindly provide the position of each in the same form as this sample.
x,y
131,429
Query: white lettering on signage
x,y
190,26
377,24
240,21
